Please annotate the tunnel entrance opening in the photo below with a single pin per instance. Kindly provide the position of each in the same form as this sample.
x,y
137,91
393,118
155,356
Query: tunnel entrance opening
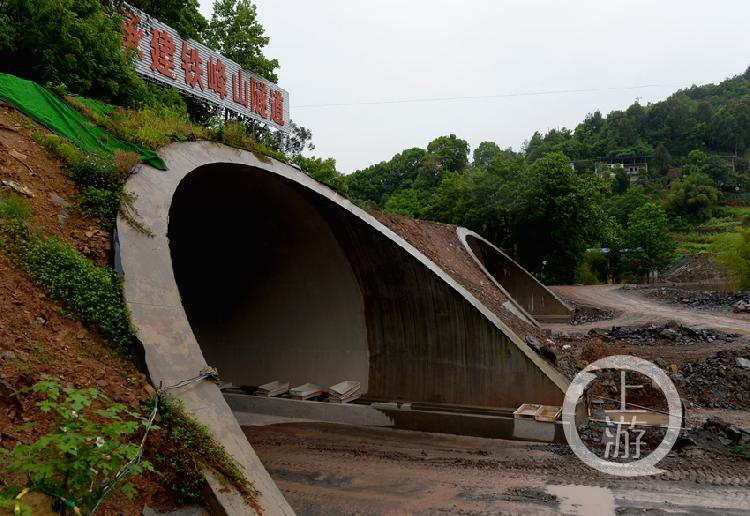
x,y
267,290
279,282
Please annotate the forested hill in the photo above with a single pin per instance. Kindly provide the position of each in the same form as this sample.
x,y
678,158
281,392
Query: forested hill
x,y
565,191
713,118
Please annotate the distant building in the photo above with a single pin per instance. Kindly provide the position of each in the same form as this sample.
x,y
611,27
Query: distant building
x,y
634,166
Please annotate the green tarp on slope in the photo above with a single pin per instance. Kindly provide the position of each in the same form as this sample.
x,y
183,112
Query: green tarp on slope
x,y
54,114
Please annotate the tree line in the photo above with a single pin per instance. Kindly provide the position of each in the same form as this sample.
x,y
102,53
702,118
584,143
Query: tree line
x,y
558,200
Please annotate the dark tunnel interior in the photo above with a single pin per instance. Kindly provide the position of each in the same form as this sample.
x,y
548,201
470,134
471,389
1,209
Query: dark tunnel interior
x,y
267,290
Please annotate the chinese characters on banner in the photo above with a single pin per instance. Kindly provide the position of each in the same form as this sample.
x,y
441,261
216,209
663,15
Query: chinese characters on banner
x,y
161,55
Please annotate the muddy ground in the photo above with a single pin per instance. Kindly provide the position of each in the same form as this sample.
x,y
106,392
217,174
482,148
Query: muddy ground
x,y
328,469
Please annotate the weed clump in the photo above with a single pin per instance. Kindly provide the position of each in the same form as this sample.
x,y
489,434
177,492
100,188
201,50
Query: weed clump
x,y
13,207
100,179
188,450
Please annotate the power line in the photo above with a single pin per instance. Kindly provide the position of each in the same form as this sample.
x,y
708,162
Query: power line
x,y
482,97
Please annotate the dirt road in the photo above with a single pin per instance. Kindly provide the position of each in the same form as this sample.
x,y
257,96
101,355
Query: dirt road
x,y
632,309
327,469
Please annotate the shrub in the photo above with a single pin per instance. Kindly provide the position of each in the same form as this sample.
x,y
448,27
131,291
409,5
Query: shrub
x,y
86,446
101,180
90,293
99,202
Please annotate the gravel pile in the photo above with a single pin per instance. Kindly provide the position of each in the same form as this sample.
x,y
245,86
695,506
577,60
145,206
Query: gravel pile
x,y
721,381
587,314
671,332
705,299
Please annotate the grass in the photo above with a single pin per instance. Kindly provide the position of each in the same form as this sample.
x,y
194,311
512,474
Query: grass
x,y
235,135
152,127
13,207
157,126
704,237
89,293
743,450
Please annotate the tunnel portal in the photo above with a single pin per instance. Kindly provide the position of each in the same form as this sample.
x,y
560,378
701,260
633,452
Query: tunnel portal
x,y
280,283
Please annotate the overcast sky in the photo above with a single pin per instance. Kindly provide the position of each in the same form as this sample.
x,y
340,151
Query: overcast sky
x,y
521,61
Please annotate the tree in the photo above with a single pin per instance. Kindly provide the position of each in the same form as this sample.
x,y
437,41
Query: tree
x,y
660,162
560,214
621,206
376,183
323,170
694,197
405,202
452,152
74,42
449,202
621,181
698,162
484,153
291,143
182,15
649,242
235,32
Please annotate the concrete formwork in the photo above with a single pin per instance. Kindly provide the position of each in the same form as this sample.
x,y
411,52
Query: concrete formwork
x,y
535,298
281,278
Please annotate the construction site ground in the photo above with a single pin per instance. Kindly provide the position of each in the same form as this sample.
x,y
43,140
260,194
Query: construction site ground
x,y
631,308
325,468
329,469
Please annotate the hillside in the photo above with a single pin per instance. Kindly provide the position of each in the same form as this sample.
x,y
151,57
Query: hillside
x,y
74,397
678,166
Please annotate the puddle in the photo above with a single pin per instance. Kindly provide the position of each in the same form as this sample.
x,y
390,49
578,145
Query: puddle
x,y
584,500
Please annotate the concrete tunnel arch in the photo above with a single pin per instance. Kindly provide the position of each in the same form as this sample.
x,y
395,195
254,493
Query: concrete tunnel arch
x,y
527,292
410,332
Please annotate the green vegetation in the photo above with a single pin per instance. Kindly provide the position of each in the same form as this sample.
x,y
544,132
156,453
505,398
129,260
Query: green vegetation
x,y
235,32
70,42
323,170
647,238
568,189
89,293
13,207
712,118
100,179
87,444
188,450
160,121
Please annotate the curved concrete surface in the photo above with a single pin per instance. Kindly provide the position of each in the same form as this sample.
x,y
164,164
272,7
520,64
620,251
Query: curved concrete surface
x,y
266,274
528,293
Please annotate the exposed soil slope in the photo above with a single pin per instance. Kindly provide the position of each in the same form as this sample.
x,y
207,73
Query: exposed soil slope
x,y
36,338
440,243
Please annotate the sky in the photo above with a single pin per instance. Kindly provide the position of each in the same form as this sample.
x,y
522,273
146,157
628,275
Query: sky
x,y
370,79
